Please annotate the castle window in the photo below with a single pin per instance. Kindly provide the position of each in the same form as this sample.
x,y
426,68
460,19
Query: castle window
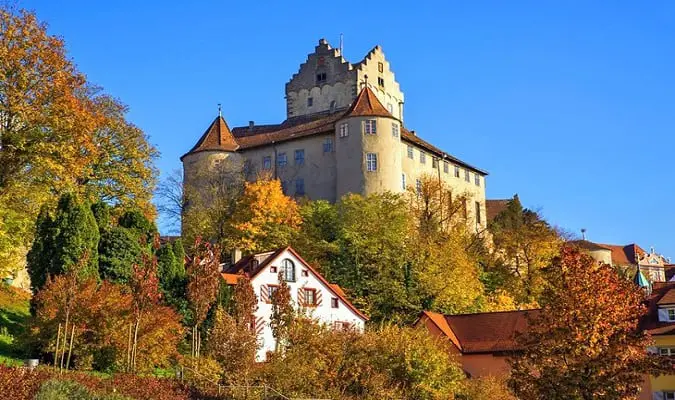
x,y
467,175
288,269
371,162
328,145
334,302
299,186
410,152
446,167
321,77
380,67
476,179
282,160
456,171
380,81
418,186
310,101
390,107
300,157
478,221
403,181
394,129
344,130
434,162
370,127
423,158
267,163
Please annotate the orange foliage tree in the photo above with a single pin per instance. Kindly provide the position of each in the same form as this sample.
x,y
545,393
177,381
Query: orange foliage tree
x,y
585,343
264,218
202,288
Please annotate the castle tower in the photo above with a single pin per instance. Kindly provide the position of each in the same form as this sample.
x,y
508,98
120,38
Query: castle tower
x,y
327,83
368,142
216,146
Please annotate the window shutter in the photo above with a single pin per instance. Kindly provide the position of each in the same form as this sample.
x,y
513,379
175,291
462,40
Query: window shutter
x,y
658,396
317,295
301,297
265,294
663,315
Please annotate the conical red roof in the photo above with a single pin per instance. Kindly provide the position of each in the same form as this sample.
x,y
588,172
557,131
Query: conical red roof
x,y
217,137
367,105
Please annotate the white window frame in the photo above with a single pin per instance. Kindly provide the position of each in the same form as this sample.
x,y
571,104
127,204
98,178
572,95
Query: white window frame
x,y
446,167
671,314
467,175
395,131
328,145
457,171
371,162
668,395
423,157
370,127
667,351
476,179
344,129
411,152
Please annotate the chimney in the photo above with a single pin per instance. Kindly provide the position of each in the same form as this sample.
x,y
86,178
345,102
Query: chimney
x,y
236,255
251,124
413,133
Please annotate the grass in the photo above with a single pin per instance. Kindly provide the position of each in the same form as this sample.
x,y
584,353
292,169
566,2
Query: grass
x,y
14,312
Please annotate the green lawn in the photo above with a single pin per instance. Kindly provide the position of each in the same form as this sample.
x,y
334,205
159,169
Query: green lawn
x,y
14,311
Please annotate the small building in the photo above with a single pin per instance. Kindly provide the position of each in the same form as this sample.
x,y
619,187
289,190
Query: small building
x,y
311,294
483,341
660,324
627,258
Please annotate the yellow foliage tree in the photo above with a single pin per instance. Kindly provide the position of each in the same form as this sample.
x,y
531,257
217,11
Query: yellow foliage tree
x,y
264,218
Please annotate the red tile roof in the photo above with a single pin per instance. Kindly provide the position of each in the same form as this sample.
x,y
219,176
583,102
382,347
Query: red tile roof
x,y
484,332
662,293
367,105
494,207
624,255
217,137
248,137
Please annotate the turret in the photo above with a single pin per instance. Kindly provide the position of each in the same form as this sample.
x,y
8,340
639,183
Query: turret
x,y
368,139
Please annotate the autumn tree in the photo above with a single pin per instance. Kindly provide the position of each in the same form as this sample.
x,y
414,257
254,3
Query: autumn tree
x,y
283,313
264,218
524,244
585,343
63,240
203,281
232,340
58,134
442,259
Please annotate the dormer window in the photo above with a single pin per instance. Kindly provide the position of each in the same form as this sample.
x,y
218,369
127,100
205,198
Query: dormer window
x,y
321,77
671,314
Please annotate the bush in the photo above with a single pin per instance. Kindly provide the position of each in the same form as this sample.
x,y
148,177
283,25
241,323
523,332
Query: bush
x,y
62,390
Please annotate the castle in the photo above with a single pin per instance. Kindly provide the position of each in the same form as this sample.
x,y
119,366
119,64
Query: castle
x,y
344,133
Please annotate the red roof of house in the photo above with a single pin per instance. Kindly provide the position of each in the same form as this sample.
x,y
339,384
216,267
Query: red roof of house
x,y
494,207
662,293
217,137
252,265
625,255
483,332
367,105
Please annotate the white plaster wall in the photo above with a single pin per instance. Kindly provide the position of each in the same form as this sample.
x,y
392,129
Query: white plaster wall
x,y
323,313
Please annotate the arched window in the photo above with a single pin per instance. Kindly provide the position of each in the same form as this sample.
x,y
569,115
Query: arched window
x,y
288,268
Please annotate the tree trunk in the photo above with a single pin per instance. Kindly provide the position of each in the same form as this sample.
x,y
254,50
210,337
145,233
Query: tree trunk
x,y
70,349
56,351
128,366
135,351
65,339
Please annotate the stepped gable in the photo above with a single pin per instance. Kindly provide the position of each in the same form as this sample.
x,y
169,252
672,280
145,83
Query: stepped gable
x,y
367,105
217,137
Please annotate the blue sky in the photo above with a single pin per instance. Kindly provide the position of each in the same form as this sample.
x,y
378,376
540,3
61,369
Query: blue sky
x,y
570,104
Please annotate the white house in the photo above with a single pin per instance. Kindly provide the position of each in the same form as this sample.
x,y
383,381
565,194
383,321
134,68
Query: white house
x,y
310,292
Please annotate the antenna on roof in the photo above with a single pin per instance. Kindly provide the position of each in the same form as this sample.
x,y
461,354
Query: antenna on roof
x,y
583,233
219,110
341,43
